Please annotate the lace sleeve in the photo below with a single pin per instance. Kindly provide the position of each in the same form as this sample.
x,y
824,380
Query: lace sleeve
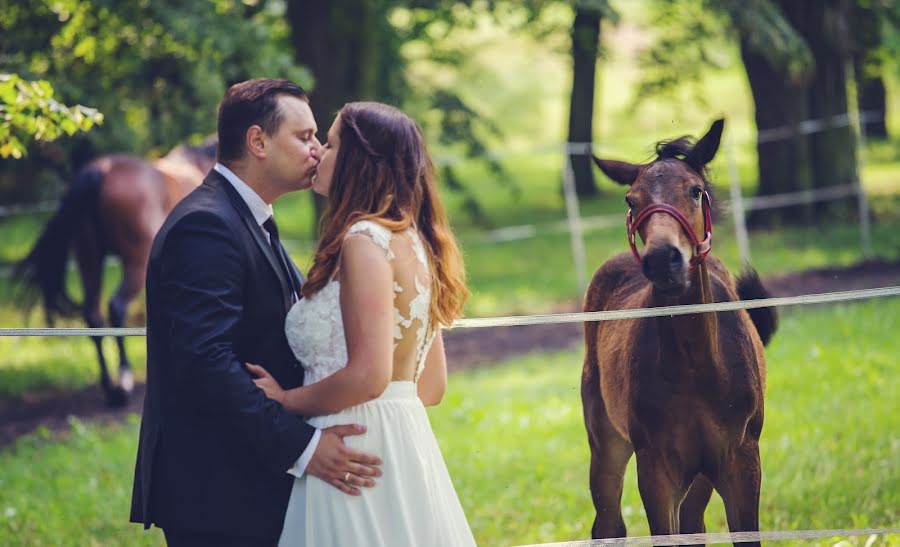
x,y
378,233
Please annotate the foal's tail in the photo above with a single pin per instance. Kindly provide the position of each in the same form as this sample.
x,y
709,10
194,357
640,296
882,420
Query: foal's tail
x,y
749,287
44,268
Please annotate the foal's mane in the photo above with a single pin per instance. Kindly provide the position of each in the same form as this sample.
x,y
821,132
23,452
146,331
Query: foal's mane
x,y
679,149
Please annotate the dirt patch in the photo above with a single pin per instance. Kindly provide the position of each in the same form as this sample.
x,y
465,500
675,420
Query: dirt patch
x,y
52,409
465,348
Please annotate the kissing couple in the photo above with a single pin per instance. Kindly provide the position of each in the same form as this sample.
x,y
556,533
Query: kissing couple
x,y
283,410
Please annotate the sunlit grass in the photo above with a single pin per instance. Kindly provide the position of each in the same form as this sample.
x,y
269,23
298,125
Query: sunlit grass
x,y
34,364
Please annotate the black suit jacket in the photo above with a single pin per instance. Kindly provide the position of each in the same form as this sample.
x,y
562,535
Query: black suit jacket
x,y
214,451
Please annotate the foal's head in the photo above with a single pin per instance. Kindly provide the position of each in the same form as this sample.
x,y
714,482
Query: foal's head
x,y
672,185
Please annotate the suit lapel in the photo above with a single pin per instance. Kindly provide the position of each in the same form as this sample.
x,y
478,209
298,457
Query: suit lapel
x,y
256,231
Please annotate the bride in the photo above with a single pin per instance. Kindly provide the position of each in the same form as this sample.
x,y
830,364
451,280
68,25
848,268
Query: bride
x,y
387,274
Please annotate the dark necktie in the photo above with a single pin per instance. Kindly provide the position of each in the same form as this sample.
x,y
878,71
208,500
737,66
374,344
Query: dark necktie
x,y
282,255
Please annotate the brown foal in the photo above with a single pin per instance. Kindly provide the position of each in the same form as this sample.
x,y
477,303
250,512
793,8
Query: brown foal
x,y
683,393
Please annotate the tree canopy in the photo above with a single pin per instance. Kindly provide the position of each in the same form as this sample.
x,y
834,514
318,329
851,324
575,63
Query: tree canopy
x,y
156,69
29,112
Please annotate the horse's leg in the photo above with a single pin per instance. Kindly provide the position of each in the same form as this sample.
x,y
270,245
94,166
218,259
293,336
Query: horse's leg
x,y
89,257
659,482
694,506
738,482
609,457
133,273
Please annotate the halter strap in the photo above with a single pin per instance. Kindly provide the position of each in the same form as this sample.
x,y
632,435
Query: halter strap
x,y
700,248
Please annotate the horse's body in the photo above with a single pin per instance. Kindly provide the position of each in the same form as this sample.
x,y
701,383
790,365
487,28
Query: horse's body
x,y
115,205
683,393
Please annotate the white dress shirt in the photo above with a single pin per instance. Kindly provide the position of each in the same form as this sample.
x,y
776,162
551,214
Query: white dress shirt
x,y
261,212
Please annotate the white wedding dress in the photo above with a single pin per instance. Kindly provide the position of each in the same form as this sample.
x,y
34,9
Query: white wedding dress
x,y
413,503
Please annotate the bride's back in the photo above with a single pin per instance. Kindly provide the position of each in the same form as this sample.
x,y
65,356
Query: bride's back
x,y
412,295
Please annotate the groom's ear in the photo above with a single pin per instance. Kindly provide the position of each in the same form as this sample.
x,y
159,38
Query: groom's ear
x,y
256,142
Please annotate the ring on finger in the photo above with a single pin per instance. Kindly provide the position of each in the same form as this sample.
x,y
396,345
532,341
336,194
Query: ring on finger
x,y
346,476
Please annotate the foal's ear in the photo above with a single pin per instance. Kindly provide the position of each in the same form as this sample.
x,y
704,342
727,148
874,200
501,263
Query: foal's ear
x,y
620,171
705,149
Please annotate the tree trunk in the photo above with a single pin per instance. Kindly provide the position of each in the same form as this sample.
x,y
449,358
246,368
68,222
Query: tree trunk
x,y
585,47
824,25
816,160
867,69
872,97
337,41
784,163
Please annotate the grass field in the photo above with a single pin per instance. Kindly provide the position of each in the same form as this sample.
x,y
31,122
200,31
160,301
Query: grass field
x,y
513,439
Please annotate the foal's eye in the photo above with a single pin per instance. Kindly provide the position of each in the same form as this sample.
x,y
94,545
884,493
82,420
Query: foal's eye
x,y
629,203
696,192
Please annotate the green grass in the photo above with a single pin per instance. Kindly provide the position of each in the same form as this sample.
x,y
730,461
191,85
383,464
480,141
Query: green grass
x,y
513,439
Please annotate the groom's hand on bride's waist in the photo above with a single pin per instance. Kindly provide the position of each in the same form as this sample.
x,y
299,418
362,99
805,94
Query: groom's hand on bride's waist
x,y
341,466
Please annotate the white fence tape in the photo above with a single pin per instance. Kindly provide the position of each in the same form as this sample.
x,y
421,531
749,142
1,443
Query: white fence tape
x,y
27,209
807,127
803,196
643,313
724,537
522,320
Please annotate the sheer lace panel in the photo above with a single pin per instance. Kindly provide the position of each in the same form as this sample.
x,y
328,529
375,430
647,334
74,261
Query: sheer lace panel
x,y
412,295
315,328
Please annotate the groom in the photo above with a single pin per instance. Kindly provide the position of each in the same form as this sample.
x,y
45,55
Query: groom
x,y
215,454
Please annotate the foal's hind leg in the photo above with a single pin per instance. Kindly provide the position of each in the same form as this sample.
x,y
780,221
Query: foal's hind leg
x,y
609,457
738,482
134,271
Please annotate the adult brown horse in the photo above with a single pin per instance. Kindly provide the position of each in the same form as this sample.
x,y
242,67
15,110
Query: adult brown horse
x,y
684,393
114,205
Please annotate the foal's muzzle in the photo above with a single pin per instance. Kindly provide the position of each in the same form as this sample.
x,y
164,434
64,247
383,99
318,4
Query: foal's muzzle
x,y
700,248
664,266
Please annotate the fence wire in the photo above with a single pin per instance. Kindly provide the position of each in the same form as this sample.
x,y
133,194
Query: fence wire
x,y
724,537
547,319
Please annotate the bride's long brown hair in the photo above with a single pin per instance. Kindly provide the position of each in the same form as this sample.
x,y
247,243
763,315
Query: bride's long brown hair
x,y
383,173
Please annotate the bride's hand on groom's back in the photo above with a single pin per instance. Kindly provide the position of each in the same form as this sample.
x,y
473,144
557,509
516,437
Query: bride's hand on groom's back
x,y
266,382
341,466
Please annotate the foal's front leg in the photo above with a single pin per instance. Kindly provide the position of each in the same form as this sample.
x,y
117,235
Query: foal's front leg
x,y
694,506
660,483
609,458
738,482
610,453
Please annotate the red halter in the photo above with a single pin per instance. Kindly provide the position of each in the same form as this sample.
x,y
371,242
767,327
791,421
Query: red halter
x,y
701,248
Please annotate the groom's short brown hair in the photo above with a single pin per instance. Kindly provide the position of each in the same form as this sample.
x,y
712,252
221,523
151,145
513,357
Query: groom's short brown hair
x,y
253,102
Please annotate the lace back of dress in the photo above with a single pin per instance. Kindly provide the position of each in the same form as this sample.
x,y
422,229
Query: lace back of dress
x,y
412,296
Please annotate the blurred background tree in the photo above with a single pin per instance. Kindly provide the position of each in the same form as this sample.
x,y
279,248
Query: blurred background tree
x,y
796,55
156,69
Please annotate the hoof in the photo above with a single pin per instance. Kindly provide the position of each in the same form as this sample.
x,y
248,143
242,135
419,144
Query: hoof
x,y
117,397
126,380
